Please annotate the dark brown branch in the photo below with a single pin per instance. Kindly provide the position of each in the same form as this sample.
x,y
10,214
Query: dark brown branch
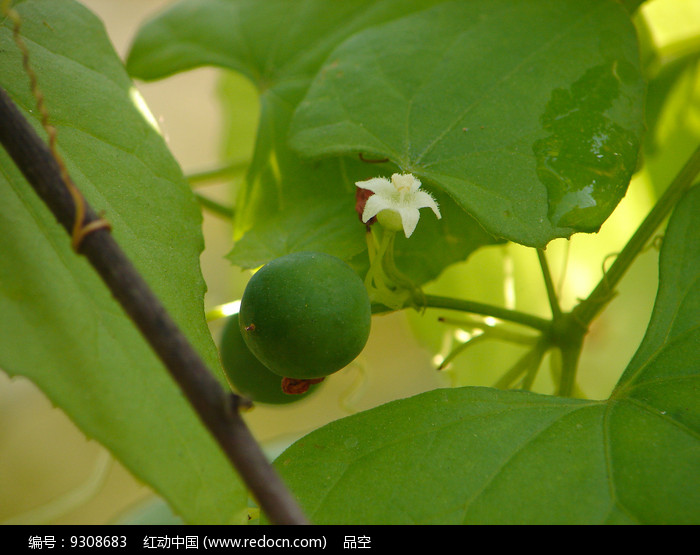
x,y
217,408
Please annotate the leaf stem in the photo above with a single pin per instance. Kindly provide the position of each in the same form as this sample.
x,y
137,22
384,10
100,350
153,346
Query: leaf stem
x,y
199,178
459,348
214,207
492,331
463,305
527,363
590,307
570,352
549,284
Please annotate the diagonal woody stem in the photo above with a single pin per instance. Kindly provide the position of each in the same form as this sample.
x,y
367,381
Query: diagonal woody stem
x,y
217,408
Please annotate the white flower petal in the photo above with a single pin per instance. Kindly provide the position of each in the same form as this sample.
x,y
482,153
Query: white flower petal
x,y
374,205
409,217
378,185
426,200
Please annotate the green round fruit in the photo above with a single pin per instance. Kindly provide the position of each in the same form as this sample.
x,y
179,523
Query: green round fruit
x,y
246,374
305,315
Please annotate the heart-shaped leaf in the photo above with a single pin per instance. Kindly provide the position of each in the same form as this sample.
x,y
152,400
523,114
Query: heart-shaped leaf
x,y
529,114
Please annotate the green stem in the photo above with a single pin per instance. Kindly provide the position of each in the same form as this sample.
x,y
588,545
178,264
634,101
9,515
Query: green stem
x,y
569,331
198,178
380,286
540,350
494,332
589,308
526,364
462,305
458,349
214,207
549,284
376,272
390,268
570,353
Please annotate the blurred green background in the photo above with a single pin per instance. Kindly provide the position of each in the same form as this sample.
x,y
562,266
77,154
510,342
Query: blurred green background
x,y
49,471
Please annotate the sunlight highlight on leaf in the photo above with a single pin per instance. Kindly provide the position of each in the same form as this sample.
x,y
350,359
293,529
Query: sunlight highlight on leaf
x,y
144,110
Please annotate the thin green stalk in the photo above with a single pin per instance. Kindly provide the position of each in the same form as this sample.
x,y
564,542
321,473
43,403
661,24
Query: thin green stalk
x,y
214,207
379,284
570,353
589,308
549,284
538,355
459,348
392,271
220,172
462,305
492,331
376,278
524,365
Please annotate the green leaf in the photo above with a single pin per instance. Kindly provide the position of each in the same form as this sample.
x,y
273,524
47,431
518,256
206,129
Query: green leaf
x,y
59,325
666,365
479,455
270,42
632,5
289,203
529,114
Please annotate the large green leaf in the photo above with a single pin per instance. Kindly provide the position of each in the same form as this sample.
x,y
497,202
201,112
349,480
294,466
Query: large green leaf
x,y
479,455
289,203
529,114
59,326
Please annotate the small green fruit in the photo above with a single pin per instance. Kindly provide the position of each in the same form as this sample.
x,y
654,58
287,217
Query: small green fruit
x,y
246,374
305,315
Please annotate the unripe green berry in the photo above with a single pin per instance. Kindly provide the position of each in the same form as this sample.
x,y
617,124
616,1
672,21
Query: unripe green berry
x,y
246,374
305,315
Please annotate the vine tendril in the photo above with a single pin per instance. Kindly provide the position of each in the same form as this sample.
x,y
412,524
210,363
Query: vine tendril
x,y
80,229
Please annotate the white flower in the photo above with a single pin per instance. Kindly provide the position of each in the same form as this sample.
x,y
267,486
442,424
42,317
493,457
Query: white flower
x,y
396,202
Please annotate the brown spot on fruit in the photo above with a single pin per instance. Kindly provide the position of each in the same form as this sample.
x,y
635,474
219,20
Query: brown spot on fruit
x,y
292,386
